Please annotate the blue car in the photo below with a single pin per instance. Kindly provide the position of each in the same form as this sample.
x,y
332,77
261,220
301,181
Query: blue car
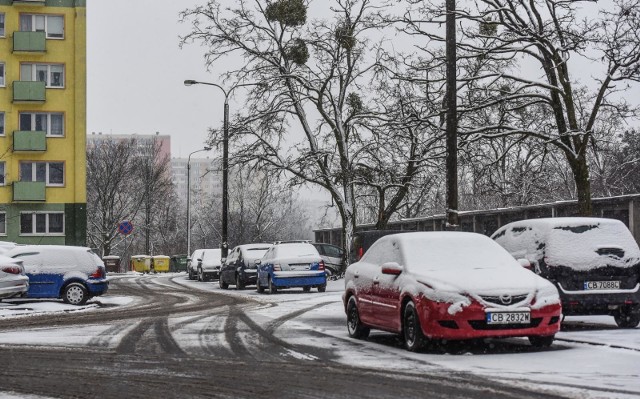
x,y
289,265
73,274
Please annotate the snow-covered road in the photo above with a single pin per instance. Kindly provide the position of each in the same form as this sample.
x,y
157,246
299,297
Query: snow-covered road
x,y
591,358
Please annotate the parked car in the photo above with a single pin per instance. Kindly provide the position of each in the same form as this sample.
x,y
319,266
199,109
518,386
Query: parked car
x,y
291,265
74,274
6,245
447,285
13,281
240,268
192,264
594,263
332,257
209,264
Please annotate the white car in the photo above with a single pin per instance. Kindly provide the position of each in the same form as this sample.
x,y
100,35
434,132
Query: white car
x,y
209,264
192,264
13,281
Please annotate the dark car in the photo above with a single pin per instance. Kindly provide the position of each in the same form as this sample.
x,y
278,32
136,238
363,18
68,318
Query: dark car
x,y
594,263
332,257
240,268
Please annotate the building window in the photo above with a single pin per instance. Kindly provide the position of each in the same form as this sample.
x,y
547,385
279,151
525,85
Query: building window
x,y
1,24
2,74
51,74
3,224
52,25
41,223
52,173
2,173
50,122
1,123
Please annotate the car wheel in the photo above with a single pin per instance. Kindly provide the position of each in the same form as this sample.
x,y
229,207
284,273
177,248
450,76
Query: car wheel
x,y
322,288
627,319
414,339
354,326
272,287
223,285
306,288
541,342
239,283
75,294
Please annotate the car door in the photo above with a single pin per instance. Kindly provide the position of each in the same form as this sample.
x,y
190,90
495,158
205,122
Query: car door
x,y
43,282
264,267
385,296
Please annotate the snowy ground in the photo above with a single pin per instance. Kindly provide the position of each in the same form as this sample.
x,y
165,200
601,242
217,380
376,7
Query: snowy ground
x,y
591,358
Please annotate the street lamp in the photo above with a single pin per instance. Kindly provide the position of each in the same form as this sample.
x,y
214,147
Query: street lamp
x,y
189,198
224,245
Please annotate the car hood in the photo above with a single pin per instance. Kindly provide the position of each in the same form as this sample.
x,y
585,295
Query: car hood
x,y
483,281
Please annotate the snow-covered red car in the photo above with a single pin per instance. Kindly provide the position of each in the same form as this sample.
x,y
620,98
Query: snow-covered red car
x,y
594,262
448,285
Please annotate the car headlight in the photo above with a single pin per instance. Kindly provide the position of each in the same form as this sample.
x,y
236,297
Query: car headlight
x,y
546,294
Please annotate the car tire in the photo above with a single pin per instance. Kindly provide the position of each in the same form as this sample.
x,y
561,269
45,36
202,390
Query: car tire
x,y
414,339
259,288
223,284
306,288
200,275
627,319
191,277
239,283
272,288
541,342
75,294
354,326
322,288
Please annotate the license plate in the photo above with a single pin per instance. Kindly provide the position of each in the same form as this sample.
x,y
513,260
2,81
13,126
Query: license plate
x,y
508,318
601,285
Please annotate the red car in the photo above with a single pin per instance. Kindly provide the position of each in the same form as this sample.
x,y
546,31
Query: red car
x,y
448,285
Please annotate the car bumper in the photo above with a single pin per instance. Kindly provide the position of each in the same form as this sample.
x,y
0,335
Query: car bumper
x,y
597,302
98,287
299,279
14,288
249,278
470,322
211,273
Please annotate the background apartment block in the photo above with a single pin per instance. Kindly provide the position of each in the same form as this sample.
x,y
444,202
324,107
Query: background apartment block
x,y
43,121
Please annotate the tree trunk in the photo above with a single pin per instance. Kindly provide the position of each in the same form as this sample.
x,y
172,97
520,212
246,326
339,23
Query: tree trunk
x,y
580,171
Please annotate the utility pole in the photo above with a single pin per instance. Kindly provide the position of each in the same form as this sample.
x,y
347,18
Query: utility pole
x,y
451,118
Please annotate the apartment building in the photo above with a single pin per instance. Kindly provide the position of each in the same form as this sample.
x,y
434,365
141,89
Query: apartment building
x,y
43,121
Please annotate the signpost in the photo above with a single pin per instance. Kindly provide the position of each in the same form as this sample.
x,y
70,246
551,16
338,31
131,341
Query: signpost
x,y
125,228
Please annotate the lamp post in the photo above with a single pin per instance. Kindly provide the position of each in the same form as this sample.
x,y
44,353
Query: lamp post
x,y
224,245
189,198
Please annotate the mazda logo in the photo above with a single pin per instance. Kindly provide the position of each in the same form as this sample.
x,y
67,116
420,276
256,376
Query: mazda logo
x,y
505,299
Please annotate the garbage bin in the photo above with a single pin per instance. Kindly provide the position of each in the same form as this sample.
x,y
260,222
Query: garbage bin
x,y
112,263
141,263
178,263
160,263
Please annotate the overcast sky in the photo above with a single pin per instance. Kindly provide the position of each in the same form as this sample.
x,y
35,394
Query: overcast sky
x,y
135,74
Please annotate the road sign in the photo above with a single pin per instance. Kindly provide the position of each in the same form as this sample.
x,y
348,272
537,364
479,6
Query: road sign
x,y
125,227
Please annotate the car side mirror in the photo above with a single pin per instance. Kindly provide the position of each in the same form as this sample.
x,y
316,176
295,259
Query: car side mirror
x,y
525,263
392,268
257,262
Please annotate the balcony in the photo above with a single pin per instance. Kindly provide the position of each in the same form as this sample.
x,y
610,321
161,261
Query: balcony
x,y
29,191
29,42
29,141
28,92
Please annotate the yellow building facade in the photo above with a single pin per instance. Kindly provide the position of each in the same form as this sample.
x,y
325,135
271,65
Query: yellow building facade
x,y
43,121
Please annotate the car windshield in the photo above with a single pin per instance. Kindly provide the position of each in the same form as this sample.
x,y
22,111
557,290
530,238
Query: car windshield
x,y
450,251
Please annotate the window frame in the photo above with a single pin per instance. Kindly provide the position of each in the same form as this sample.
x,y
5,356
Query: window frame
x,y
3,74
3,224
34,73
46,24
34,172
3,24
47,223
49,124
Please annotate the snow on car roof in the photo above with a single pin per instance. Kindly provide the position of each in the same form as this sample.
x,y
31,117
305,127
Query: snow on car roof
x,y
296,249
450,251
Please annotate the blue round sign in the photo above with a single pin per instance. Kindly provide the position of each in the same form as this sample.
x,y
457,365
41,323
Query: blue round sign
x,y
125,227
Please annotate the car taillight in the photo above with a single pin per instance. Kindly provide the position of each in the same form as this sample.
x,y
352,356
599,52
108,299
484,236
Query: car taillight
x,y
12,270
277,268
321,265
99,273
360,253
